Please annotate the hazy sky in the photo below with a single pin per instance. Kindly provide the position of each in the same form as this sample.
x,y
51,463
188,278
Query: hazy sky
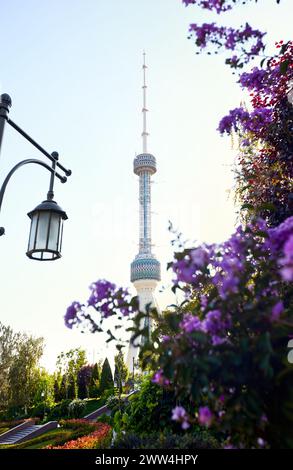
x,y
73,69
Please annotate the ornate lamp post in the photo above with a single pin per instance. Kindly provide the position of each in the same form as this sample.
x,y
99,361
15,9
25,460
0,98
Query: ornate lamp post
x,y
45,239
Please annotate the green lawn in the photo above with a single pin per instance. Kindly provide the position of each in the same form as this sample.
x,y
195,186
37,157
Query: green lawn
x,y
3,430
93,404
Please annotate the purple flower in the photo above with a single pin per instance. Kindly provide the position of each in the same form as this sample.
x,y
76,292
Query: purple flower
x,y
165,338
231,122
279,235
287,260
247,41
277,310
258,120
205,416
261,442
191,323
70,317
159,378
229,286
238,118
222,398
199,257
184,270
217,340
204,301
254,80
108,299
179,414
229,446
212,323
217,5
100,290
287,273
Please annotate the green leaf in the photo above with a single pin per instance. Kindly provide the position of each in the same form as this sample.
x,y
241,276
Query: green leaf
x,y
261,233
247,206
268,206
262,61
284,67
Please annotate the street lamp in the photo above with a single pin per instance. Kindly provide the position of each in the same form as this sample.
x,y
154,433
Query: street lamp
x,y
45,239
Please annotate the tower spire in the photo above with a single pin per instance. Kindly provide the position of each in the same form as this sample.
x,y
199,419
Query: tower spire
x,y
144,108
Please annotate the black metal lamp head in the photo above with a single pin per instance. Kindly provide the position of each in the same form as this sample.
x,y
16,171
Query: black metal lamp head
x,y
46,231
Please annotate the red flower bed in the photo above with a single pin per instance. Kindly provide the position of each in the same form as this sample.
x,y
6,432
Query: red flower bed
x,y
94,440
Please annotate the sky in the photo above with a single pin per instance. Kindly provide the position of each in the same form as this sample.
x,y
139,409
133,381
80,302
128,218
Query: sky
x,y
73,70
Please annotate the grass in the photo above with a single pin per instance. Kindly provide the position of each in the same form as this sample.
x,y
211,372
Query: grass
x,y
93,404
2,430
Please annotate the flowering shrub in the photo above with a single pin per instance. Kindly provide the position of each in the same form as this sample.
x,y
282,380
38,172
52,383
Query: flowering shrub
x,y
227,351
98,438
268,88
76,408
264,170
112,402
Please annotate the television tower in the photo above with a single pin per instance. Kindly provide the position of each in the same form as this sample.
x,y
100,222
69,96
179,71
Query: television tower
x,y
145,268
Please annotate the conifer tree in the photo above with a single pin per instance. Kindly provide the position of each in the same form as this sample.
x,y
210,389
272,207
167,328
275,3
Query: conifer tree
x,y
107,382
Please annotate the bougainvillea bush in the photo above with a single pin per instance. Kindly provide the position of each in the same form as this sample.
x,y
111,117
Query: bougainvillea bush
x,y
264,170
224,350
228,347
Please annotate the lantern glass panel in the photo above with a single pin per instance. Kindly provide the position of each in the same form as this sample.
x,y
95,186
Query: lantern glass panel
x,y
33,232
60,235
46,255
54,231
43,227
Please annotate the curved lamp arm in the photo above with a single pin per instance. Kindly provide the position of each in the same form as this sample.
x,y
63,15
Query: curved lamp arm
x,y
63,179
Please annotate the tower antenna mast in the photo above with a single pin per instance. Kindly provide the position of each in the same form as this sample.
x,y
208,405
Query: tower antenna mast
x,y
144,108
